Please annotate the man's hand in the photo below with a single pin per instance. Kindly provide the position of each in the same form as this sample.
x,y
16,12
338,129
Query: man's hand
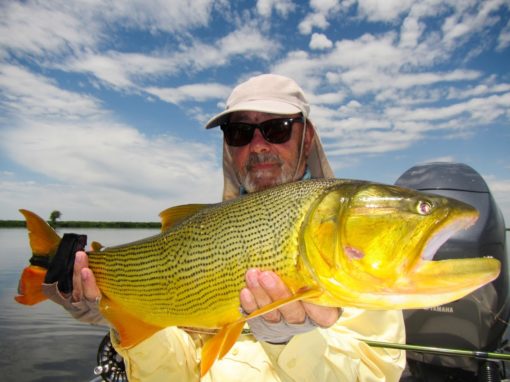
x,y
84,282
263,288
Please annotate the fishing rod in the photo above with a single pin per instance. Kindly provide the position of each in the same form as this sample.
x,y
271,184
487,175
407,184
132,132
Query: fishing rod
x,y
478,354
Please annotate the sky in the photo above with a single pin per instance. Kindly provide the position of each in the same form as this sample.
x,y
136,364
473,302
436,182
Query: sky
x,y
103,103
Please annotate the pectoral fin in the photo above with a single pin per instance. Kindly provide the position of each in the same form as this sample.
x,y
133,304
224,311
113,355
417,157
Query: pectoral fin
x,y
303,294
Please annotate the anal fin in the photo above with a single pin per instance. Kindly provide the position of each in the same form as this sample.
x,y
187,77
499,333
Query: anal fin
x,y
131,329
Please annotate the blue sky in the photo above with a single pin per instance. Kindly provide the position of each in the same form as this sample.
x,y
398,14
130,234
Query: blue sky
x,y
102,103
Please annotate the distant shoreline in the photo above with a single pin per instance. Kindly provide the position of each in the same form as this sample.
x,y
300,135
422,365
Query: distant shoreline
x,y
84,224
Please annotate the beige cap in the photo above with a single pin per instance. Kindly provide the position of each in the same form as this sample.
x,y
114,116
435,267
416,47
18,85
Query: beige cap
x,y
274,94
267,93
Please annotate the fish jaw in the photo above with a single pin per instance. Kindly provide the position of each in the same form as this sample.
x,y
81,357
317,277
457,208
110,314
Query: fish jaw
x,y
433,283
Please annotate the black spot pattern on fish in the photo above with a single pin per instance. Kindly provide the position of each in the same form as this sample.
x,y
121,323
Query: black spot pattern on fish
x,y
193,273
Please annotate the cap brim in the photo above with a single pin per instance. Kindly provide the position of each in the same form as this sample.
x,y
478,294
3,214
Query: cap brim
x,y
262,106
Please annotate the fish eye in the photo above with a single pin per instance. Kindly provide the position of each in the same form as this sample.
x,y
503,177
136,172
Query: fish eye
x,y
424,207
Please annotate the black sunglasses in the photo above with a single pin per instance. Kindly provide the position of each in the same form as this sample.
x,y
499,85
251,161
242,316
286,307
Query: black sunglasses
x,y
278,130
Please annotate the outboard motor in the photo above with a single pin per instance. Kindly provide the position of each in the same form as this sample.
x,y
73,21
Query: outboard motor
x,y
477,321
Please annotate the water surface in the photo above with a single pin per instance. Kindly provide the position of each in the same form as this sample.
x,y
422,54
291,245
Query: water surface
x,y
43,342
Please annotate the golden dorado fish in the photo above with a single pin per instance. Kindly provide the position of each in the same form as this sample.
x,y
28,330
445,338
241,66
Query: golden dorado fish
x,y
334,242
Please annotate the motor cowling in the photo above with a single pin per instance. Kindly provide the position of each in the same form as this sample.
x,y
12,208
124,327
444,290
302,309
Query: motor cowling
x,y
477,321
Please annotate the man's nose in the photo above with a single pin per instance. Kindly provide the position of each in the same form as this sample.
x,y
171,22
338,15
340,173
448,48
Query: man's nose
x,y
258,143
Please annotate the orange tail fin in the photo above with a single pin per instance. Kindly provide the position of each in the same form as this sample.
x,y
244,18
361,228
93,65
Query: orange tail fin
x,y
30,286
44,243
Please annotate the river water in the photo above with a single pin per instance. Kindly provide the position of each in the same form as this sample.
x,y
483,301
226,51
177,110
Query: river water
x,y
43,342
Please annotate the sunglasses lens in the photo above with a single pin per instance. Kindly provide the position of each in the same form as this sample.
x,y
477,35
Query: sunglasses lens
x,y
277,130
238,134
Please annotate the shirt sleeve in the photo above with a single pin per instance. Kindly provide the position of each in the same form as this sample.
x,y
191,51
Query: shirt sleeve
x,y
83,311
339,353
168,355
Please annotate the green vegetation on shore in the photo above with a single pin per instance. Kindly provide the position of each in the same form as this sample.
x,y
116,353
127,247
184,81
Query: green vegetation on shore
x,y
85,224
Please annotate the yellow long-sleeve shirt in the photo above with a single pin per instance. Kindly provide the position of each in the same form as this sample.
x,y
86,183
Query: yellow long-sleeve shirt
x,y
334,354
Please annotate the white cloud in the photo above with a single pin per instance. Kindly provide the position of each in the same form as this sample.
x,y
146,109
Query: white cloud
x,y
75,146
110,155
469,19
282,7
500,189
129,70
372,93
387,10
480,110
478,90
333,98
47,28
504,38
411,32
318,18
30,95
362,81
92,202
194,92
320,41
120,70
63,27
352,108
368,51
157,15
358,135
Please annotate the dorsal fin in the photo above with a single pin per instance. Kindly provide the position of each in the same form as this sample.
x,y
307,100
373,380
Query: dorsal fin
x,y
96,247
174,215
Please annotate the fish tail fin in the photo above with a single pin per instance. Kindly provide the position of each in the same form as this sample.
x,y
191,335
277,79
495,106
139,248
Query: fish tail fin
x,y
30,286
44,242
219,345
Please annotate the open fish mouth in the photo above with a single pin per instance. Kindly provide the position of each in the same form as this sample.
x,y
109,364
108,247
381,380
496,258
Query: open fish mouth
x,y
446,232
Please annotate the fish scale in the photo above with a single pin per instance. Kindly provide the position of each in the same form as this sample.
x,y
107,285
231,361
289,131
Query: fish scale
x,y
199,264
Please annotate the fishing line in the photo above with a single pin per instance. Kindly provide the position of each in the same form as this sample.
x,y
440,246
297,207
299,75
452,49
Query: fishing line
x,y
478,354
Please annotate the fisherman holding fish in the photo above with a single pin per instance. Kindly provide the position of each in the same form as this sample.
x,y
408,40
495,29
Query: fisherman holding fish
x,y
269,140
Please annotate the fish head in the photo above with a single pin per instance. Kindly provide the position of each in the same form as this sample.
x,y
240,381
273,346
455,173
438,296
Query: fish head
x,y
372,240
385,231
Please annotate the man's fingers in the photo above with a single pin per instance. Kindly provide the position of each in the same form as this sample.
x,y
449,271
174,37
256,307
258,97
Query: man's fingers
x,y
80,262
248,302
260,295
293,313
90,290
84,282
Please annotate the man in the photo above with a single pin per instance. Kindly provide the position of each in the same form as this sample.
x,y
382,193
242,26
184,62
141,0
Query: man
x,y
268,140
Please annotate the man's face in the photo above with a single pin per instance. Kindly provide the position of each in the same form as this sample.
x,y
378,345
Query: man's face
x,y
260,164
